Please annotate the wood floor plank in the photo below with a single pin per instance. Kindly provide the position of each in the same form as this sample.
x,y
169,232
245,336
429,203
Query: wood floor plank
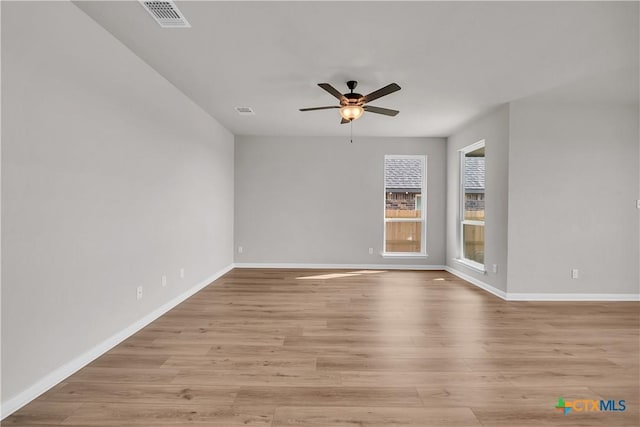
x,y
149,349
420,379
629,393
42,412
436,351
100,414
319,348
393,364
544,351
112,360
369,330
258,377
144,394
529,417
329,396
373,417
500,395
348,341
242,362
219,338
590,378
560,365
114,374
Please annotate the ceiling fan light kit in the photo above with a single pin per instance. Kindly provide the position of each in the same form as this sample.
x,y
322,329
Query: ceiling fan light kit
x,y
352,105
351,112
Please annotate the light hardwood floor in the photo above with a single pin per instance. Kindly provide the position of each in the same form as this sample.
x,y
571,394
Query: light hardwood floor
x,y
392,348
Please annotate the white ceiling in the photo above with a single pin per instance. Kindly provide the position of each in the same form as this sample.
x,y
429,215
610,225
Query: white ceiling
x,y
453,60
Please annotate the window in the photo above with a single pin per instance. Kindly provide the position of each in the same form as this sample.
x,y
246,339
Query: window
x,y
404,205
471,217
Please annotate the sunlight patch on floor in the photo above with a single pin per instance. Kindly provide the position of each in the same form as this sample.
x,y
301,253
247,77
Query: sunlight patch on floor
x,y
339,275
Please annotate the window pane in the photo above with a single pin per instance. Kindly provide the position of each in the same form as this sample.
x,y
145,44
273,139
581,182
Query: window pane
x,y
403,236
473,238
474,186
402,204
403,181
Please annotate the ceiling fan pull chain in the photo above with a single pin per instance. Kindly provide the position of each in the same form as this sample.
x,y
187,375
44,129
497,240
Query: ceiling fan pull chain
x,y
351,126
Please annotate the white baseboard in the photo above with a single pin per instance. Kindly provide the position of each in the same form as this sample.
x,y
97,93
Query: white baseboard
x,y
513,296
479,283
339,266
55,377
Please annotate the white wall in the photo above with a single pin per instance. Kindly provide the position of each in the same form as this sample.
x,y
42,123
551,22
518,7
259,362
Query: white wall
x,y
573,184
315,200
562,182
111,178
494,129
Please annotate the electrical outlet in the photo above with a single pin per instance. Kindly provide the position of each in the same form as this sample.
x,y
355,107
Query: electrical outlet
x,y
182,273
139,293
240,249
638,203
495,268
164,281
370,251
574,273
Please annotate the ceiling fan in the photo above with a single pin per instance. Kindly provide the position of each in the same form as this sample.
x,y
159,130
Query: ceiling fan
x,y
352,105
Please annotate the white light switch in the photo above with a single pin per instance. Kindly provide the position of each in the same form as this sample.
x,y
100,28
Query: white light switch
x,y
574,273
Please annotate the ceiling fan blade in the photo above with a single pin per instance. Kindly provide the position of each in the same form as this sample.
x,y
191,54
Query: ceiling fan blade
x,y
319,108
380,110
343,121
390,88
332,90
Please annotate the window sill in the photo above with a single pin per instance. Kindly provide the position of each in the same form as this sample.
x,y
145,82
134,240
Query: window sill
x,y
475,266
403,255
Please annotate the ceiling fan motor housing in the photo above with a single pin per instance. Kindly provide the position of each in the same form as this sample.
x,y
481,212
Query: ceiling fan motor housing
x,y
352,99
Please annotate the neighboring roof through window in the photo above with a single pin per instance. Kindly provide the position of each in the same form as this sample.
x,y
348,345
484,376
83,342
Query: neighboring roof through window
x,y
403,174
474,173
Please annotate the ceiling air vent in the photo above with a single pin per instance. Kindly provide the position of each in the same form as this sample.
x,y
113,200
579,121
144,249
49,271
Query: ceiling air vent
x,y
245,111
166,13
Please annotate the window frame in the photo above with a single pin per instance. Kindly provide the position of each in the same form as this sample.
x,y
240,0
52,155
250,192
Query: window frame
x,y
423,211
461,205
